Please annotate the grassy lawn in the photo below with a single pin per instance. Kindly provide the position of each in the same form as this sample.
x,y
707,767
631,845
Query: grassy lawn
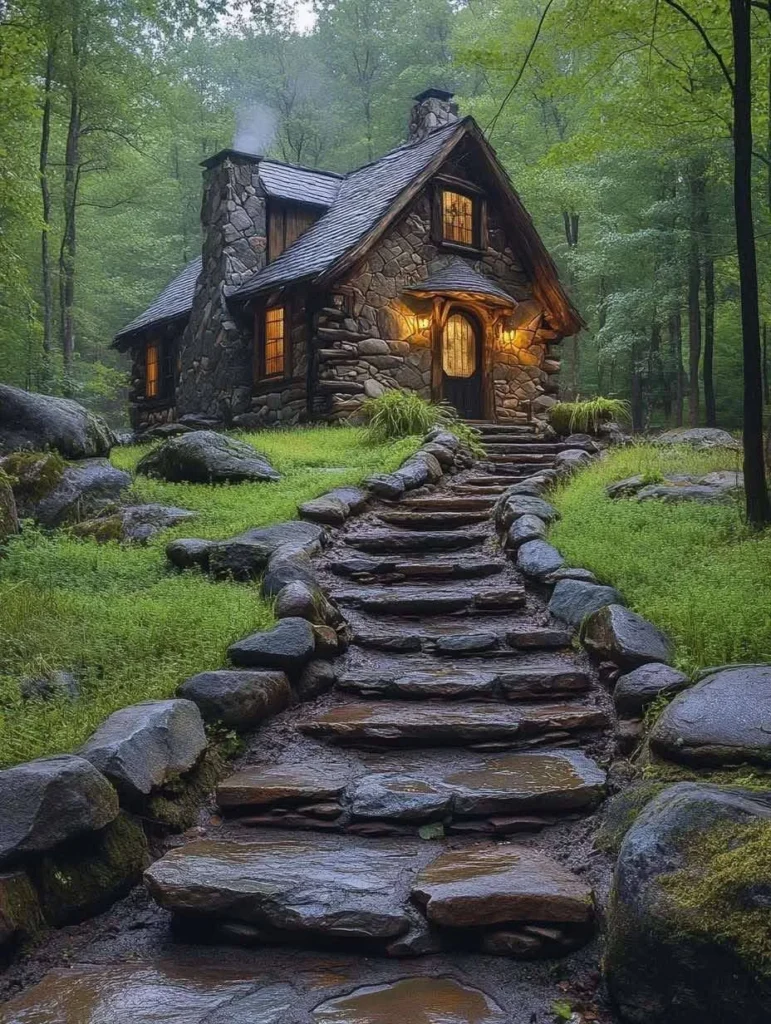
x,y
694,570
121,620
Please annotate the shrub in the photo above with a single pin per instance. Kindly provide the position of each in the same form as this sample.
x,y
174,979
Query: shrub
x,y
396,414
586,417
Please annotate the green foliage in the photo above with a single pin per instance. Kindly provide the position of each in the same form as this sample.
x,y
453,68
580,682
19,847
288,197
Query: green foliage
x,y
587,416
130,628
562,1010
695,570
401,414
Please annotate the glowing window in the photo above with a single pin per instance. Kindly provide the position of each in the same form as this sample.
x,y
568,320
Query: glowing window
x,y
152,370
274,341
459,347
457,218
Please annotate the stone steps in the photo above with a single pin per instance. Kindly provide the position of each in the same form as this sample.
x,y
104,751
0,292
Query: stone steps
x,y
393,541
429,680
417,567
430,600
498,793
449,501
538,459
397,899
432,723
499,447
433,520
490,639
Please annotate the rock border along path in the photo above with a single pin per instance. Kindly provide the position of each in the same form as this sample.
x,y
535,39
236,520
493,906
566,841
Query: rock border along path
x,y
422,823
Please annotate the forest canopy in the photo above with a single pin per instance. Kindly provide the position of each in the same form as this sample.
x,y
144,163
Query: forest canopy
x,y
612,117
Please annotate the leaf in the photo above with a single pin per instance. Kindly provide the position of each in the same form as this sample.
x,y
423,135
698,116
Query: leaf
x,y
434,831
562,1010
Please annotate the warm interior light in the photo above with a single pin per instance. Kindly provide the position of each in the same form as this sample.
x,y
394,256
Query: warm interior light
x,y
424,322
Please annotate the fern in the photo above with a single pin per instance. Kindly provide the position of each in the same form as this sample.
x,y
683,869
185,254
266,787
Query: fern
x,y
586,417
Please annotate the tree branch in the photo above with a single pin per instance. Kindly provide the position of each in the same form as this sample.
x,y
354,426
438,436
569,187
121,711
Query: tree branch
x,y
491,126
707,41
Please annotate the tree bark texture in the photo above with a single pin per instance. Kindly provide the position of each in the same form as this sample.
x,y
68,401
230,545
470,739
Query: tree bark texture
x,y
45,192
709,342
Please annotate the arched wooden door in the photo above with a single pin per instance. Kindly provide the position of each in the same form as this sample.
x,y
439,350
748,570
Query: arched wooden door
x,y
462,365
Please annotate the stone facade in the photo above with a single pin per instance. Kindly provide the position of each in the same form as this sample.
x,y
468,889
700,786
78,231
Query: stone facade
x,y
433,109
216,359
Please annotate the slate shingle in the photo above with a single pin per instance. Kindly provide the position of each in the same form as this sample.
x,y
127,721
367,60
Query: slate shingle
x,y
299,184
174,301
459,276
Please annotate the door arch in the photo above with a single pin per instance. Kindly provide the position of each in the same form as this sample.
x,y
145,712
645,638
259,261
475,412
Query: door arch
x,y
461,351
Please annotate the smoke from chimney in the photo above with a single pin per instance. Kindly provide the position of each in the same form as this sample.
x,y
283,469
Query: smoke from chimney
x,y
255,128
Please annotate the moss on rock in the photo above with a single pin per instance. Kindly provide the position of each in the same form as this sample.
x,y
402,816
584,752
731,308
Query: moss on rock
x,y
33,475
724,891
176,806
90,874
621,812
20,915
101,530
9,521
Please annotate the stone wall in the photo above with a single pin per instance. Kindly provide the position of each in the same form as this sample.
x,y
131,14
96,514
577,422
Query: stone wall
x,y
216,372
372,336
144,412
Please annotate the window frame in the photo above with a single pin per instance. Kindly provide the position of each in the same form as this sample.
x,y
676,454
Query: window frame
x,y
155,345
261,335
478,202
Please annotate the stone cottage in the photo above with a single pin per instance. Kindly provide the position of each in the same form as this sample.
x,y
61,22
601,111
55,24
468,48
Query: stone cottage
x,y
315,290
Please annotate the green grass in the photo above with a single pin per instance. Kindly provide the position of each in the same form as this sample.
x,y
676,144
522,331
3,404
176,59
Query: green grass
x,y
121,620
696,571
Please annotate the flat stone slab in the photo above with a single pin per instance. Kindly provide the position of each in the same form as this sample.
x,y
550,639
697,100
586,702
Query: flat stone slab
x,y
394,723
412,1001
573,600
364,567
415,540
497,885
452,682
150,993
449,503
434,600
724,719
238,699
433,520
452,639
297,887
257,787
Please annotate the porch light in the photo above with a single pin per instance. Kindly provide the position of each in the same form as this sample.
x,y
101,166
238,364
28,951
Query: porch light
x,y
423,322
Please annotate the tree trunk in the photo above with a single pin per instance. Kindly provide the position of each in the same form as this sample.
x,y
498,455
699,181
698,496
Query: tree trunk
x,y
69,236
676,344
709,341
766,394
696,183
638,403
655,369
756,490
45,191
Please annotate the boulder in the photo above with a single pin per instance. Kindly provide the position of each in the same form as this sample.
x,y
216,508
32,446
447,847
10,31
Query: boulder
x,y
569,572
443,437
238,699
247,555
625,488
204,456
287,646
724,719
581,441
32,421
571,460
688,916
573,600
443,455
133,523
699,437
84,488
536,558
316,678
516,505
303,601
524,529
56,684
47,801
189,552
326,509
684,492
9,519
354,497
143,747
327,642
636,690
283,569
21,918
414,473
386,485
617,634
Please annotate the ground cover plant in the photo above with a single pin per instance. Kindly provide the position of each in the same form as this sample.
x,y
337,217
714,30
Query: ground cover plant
x,y
697,571
128,627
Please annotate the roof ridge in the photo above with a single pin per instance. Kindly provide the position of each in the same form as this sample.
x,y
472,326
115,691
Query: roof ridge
x,y
303,167
410,145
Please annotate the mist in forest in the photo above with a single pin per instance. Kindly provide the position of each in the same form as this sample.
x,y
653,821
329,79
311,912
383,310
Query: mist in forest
x,y
255,128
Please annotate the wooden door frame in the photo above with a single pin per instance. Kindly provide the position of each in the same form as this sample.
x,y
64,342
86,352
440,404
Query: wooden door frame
x,y
484,321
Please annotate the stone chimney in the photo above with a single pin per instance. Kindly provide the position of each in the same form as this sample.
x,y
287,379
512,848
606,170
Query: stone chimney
x,y
432,109
216,352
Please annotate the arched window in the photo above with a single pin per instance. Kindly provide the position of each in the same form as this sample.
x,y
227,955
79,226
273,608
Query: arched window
x,y
459,346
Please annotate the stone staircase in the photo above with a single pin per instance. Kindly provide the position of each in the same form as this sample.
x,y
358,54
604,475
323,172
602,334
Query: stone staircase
x,y
381,815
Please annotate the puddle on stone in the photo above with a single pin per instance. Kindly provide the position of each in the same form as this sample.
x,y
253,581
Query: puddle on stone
x,y
412,1001
462,866
520,772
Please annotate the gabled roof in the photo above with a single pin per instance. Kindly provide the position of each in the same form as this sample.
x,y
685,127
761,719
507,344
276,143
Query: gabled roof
x,y
365,196
176,300
299,184
459,276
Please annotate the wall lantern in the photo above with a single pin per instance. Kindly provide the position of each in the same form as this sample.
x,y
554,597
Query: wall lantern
x,y
423,321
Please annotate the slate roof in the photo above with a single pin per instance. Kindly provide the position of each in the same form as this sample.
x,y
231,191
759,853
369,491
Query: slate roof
x,y
174,301
365,195
459,276
299,184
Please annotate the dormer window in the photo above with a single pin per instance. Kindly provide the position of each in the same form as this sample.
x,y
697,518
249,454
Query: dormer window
x,y
457,218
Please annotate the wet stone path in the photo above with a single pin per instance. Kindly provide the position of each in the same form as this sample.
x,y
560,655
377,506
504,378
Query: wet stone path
x,y
411,847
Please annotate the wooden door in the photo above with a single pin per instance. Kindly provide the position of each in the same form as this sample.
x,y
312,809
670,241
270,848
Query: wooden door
x,y
461,344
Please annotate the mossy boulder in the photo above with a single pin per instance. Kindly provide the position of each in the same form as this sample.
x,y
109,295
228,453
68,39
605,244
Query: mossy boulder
x,y
83,878
33,475
204,456
689,920
32,421
9,519
55,493
20,916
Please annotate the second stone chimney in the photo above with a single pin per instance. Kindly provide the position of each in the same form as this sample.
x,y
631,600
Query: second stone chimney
x,y
433,109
